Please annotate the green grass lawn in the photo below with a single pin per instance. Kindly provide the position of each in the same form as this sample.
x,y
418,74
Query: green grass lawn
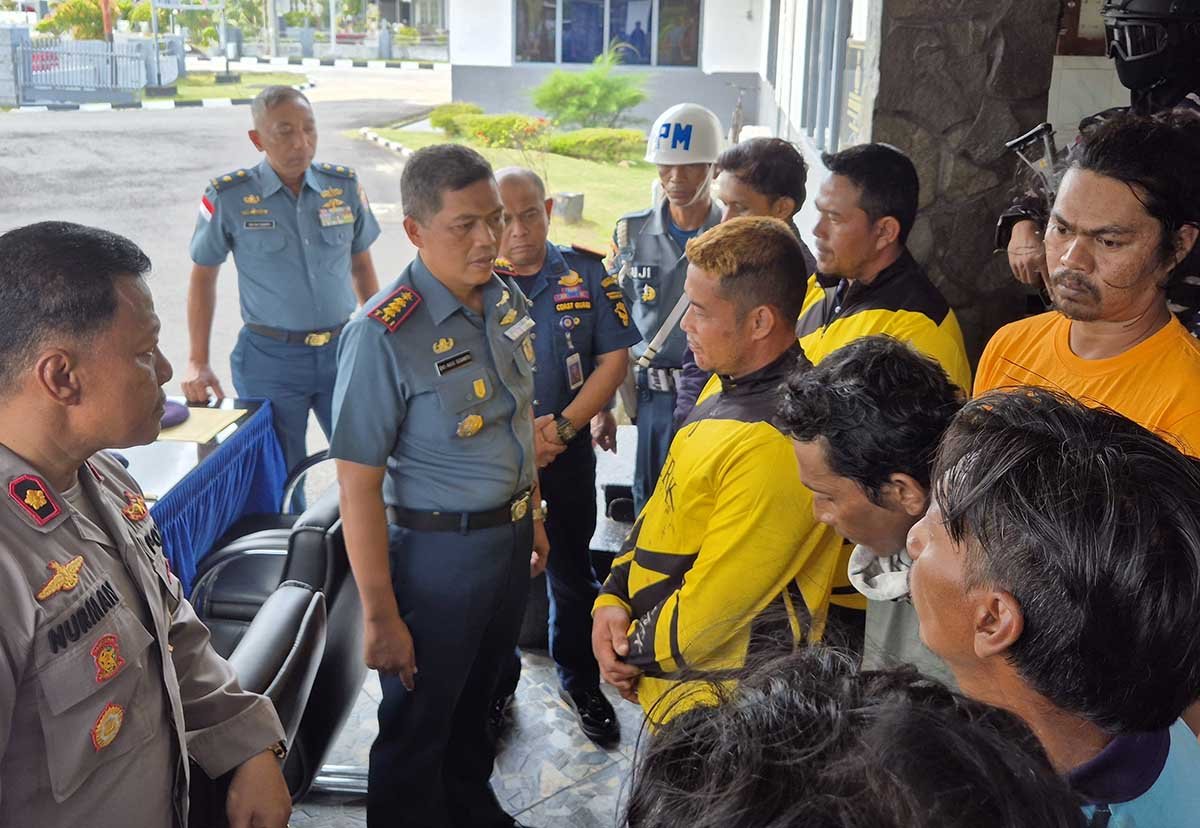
x,y
610,190
196,85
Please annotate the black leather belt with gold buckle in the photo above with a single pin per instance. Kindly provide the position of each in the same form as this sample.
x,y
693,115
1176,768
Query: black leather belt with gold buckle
x,y
314,339
514,511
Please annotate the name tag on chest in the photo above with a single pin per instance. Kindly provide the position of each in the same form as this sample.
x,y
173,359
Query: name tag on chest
x,y
519,328
334,216
260,224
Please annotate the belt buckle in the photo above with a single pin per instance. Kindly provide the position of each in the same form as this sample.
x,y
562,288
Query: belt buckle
x,y
519,508
316,340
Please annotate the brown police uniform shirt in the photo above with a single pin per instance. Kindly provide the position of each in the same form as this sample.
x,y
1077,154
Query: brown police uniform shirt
x,y
107,678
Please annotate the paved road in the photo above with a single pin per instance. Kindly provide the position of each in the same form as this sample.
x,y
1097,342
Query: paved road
x,y
141,174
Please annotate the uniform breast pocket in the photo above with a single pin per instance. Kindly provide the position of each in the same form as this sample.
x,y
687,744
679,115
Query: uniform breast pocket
x,y
335,247
261,244
91,663
465,389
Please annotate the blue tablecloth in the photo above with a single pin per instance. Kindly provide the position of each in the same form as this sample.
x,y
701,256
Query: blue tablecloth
x,y
243,476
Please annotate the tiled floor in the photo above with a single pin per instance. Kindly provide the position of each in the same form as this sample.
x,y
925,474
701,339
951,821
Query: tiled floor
x,y
547,772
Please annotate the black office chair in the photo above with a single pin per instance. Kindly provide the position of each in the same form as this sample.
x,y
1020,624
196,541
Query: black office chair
x,y
239,581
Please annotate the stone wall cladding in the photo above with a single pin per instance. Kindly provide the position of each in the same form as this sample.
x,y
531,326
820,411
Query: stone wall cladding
x,y
958,78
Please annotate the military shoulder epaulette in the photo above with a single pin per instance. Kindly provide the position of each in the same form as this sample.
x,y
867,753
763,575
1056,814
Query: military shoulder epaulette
x,y
336,169
394,309
503,267
586,251
224,182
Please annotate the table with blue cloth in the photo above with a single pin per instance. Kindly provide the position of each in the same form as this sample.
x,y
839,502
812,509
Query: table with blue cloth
x,y
199,490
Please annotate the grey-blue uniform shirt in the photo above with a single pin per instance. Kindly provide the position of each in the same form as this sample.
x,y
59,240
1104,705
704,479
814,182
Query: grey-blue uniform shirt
x,y
292,252
654,278
438,394
580,313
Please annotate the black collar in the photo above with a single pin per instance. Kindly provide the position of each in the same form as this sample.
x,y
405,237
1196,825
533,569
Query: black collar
x,y
855,291
768,377
1127,767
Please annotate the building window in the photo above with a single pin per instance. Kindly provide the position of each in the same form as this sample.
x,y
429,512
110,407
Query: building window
x,y
536,24
644,32
629,30
678,32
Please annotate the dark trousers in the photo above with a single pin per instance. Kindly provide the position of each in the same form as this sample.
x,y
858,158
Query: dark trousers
x,y
655,428
295,378
462,596
569,488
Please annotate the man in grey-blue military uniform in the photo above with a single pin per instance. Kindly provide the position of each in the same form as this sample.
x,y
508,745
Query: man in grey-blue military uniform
x,y
648,258
300,234
434,441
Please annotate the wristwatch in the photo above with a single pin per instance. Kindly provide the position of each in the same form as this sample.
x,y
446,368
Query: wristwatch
x,y
566,431
540,512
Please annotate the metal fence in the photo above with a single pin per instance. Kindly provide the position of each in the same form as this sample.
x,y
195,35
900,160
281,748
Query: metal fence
x,y
78,66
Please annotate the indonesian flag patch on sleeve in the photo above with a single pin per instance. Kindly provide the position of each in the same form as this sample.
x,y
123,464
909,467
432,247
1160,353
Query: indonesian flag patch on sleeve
x,y
206,208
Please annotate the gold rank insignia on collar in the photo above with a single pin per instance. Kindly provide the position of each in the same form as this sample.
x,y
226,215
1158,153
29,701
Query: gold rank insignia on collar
x,y
442,345
251,199
470,425
64,579
509,317
31,494
332,192
571,279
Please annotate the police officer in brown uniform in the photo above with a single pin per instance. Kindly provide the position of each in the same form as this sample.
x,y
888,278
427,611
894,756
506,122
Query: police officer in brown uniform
x,y
108,683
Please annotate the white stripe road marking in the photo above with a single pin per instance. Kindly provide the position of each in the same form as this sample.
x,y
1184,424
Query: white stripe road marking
x,y
95,107
158,104
216,102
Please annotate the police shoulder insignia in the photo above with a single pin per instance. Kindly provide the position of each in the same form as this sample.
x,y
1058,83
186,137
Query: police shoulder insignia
x,y
336,169
107,726
31,494
106,653
503,267
64,579
224,182
135,511
393,310
587,251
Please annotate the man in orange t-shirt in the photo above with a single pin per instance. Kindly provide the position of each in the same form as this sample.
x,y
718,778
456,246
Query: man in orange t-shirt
x,y
1125,217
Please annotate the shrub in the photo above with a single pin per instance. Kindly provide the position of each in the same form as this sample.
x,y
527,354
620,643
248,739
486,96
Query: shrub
x,y
443,116
596,97
511,130
599,144
407,35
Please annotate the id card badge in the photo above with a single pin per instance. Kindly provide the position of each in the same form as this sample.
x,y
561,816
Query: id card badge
x,y
575,372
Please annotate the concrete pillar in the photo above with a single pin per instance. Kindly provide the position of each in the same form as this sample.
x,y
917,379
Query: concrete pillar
x,y
10,38
956,79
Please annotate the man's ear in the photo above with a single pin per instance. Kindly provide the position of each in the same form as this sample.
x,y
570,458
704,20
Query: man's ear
x,y
256,139
414,230
56,376
549,208
907,495
1185,240
783,208
763,322
999,623
888,229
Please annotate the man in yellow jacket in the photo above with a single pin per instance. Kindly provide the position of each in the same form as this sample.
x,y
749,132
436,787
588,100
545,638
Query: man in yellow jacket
x,y
726,548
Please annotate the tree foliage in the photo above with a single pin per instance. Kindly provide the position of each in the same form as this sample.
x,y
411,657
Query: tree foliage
x,y
595,97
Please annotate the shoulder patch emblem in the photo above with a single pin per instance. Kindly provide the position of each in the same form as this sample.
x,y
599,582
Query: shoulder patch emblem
x,y
136,511
587,251
503,267
31,494
107,726
64,579
393,310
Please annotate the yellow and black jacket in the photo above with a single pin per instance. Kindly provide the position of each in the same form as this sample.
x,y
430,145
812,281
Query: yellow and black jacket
x,y
900,302
727,541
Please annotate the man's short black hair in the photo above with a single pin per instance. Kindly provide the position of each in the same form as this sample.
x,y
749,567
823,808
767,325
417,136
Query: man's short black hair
x,y
1093,524
770,166
804,739
886,178
878,407
432,171
1158,157
58,278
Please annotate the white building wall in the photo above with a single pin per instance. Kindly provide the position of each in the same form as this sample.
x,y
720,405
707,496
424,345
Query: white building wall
x,y
732,35
481,32
1081,86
